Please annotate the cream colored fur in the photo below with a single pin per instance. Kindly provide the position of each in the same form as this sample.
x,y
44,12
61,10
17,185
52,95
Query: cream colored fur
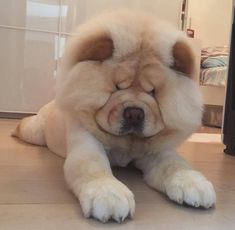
x,y
83,123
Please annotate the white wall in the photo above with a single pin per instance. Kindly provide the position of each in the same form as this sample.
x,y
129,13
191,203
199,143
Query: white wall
x,y
211,20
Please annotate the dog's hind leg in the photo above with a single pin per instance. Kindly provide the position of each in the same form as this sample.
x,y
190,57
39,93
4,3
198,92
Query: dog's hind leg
x,y
31,130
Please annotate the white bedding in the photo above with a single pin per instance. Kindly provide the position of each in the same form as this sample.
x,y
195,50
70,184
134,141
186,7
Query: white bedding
x,y
214,76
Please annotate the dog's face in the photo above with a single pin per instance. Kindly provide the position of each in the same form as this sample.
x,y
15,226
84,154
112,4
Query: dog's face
x,y
132,108
130,77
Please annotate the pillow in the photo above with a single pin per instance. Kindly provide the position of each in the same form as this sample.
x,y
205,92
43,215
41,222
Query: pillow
x,y
217,61
215,51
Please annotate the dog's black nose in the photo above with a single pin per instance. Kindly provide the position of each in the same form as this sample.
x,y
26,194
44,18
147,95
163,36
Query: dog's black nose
x,y
133,116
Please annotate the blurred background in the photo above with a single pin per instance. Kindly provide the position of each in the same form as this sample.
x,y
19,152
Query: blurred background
x,y
33,34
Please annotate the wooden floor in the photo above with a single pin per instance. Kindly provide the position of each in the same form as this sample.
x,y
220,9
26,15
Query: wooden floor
x,y
33,193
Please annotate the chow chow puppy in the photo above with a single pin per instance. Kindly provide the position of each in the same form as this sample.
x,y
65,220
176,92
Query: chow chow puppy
x,y
125,93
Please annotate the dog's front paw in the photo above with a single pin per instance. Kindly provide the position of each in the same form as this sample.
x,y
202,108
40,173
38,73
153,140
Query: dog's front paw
x,y
190,187
106,199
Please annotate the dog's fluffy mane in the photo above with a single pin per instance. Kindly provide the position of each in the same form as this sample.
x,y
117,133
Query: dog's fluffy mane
x,y
182,108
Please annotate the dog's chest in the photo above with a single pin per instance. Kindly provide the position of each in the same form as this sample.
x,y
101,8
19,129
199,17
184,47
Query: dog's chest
x,y
119,157
122,151
122,155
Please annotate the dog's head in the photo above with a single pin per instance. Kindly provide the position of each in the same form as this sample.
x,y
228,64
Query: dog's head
x,y
132,74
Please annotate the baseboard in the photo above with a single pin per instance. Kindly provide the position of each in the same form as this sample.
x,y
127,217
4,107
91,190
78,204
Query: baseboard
x,y
14,115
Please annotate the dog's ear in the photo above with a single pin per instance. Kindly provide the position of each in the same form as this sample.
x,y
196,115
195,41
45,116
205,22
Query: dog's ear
x,y
97,47
184,58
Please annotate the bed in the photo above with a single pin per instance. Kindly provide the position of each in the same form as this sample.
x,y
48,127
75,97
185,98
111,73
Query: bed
x,y
214,63
211,75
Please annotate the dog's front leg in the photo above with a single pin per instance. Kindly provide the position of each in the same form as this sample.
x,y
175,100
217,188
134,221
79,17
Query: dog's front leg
x,y
169,173
88,173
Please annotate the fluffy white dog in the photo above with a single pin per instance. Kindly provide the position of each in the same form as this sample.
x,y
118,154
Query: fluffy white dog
x,y
125,93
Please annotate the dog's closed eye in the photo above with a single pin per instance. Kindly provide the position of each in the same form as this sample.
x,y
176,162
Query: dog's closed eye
x,y
117,87
152,93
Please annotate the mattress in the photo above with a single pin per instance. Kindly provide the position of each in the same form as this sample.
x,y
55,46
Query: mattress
x,y
215,76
